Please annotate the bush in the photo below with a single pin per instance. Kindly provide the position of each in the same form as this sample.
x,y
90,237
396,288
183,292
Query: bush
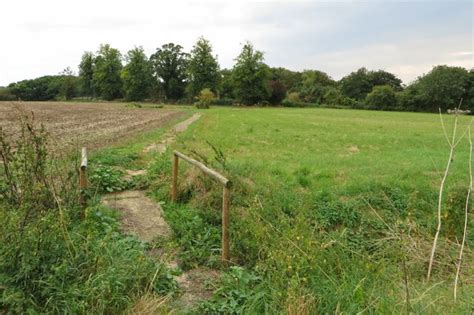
x,y
237,289
293,97
277,92
224,102
205,98
332,97
6,94
382,97
108,179
45,88
293,100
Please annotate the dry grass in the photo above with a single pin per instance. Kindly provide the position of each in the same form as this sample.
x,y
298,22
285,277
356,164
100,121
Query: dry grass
x,y
300,304
149,304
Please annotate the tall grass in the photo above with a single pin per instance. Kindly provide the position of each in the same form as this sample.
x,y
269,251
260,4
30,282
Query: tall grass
x,y
51,261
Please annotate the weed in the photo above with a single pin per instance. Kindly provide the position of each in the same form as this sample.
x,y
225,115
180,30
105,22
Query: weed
x,y
134,105
108,179
236,292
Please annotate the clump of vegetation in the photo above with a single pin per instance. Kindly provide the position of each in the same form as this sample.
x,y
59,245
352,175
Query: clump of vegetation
x,y
240,291
108,179
205,98
134,105
6,94
382,97
51,260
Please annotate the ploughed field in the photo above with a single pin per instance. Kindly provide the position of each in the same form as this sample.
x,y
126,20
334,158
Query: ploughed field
x,y
95,124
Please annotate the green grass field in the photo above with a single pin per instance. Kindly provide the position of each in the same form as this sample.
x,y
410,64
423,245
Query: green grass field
x,y
329,205
332,212
342,150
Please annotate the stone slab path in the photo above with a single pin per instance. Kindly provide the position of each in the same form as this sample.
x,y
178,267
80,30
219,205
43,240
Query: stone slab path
x,y
144,218
141,216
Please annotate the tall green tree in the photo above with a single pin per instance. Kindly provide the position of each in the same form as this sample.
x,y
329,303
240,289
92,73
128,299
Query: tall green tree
x,y
290,79
40,89
314,85
137,75
203,68
357,84
250,76
86,74
443,87
469,103
106,77
169,69
226,84
382,97
382,77
69,84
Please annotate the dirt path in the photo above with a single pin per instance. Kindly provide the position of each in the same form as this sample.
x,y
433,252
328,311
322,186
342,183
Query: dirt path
x,y
170,137
144,218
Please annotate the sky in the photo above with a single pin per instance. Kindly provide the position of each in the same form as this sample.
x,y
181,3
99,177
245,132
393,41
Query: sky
x,y
404,37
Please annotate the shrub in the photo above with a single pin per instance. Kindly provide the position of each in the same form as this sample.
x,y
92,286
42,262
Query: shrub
x,y
237,289
6,94
333,97
277,92
134,105
294,97
224,102
108,179
205,98
382,97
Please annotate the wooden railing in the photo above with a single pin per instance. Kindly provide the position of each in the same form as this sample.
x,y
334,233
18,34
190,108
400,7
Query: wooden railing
x,y
227,185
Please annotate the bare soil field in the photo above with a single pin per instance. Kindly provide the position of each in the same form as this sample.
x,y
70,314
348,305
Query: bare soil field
x,y
72,125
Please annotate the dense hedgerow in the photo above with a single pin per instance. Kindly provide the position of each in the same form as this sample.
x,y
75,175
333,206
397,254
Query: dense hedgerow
x,y
51,260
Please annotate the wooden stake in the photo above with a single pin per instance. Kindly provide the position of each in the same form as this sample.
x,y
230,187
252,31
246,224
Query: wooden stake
x,y
174,185
83,177
225,226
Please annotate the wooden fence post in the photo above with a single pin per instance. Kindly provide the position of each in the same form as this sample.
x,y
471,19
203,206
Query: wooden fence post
x,y
227,184
225,225
83,177
174,185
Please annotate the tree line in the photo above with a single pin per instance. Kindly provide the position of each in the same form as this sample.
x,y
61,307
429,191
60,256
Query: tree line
x,y
172,75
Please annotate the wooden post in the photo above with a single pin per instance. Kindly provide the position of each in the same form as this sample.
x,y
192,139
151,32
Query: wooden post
x,y
83,177
225,226
174,185
227,184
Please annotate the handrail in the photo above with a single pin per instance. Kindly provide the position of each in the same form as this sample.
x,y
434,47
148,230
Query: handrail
x,y
224,181
225,258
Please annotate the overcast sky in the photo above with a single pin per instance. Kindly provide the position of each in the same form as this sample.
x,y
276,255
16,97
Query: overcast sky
x,y
404,37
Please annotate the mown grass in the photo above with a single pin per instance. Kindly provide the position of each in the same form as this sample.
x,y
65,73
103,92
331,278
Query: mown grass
x,y
328,207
